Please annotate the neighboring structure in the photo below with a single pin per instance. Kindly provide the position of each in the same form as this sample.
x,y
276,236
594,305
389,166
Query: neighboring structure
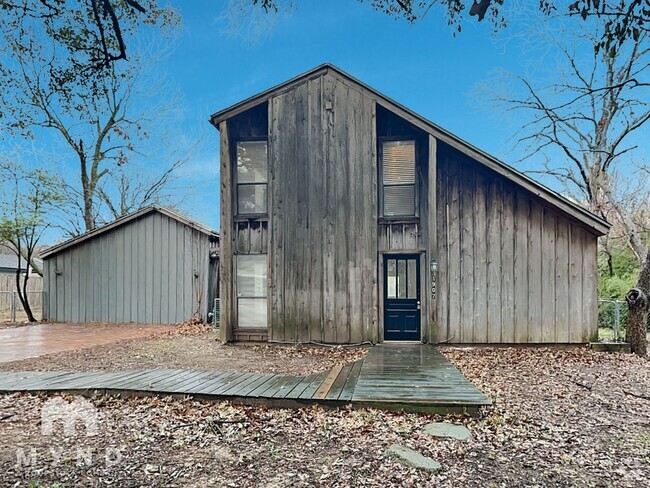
x,y
151,266
346,217
9,264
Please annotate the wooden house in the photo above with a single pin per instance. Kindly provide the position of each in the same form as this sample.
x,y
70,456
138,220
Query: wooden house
x,y
348,218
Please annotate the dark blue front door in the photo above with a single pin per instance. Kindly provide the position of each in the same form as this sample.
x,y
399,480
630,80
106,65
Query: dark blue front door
x,y
402,297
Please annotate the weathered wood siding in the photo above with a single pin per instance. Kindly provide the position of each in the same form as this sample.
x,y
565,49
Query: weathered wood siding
x,y
512,270
512,266
323,214
150,270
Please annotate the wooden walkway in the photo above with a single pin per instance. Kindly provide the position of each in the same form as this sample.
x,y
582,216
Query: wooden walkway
x,y
395,376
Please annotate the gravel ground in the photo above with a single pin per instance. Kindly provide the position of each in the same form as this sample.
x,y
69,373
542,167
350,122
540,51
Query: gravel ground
x,y
202,351
561,418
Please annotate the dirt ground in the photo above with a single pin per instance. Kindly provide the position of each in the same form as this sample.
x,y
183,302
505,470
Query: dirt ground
x,y
561,418
201,351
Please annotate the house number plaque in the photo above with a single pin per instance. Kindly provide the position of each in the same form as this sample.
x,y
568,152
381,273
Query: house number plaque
x,y
434,268
433,285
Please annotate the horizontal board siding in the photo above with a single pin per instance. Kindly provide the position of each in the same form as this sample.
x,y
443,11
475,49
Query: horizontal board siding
x,y
132,273
515,270
322,277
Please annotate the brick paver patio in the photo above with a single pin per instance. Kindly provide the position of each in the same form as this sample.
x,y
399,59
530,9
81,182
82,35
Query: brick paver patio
x,y
36,340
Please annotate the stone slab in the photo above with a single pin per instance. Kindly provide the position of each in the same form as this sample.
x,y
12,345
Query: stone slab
x,y
447,430
414,459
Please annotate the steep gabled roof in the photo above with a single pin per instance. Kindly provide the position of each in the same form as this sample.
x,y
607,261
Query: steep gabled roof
x,y
597,225
50,251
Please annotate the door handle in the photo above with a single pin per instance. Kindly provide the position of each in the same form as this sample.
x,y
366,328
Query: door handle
x,y
418,305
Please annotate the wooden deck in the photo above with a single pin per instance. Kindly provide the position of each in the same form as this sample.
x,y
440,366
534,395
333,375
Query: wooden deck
x,y
395,376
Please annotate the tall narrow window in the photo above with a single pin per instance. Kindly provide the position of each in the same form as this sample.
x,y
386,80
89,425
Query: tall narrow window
x,y
252,177
251,291
398,168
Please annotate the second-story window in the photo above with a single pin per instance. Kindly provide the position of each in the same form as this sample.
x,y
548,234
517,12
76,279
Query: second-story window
x,y
398,175
252,177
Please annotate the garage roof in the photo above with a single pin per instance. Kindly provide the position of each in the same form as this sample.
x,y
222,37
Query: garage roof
x,y
50,251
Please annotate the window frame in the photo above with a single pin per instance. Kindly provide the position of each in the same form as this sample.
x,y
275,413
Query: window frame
x,y
237,214
380,166
251,297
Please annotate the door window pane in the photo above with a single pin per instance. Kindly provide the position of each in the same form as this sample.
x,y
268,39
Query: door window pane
x,y
412,274
401,279
391,277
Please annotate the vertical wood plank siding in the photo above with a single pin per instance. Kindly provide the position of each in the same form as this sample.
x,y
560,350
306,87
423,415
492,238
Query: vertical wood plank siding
x,y
132,273
512,269
323,238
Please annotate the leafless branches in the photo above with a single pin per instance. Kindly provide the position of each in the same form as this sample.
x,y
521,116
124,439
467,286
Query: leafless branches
x,y
585,126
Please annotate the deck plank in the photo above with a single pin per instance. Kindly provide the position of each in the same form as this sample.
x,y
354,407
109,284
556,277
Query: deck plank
x,y
270,387
227,382
248,389
351,382
308,393
288,386
337,387
242,380
325,386
300,387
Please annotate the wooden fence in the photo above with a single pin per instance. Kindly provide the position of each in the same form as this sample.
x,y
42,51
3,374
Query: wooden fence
x,y
9,297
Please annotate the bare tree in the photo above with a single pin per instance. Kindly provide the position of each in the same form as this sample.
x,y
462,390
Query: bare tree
x,y
29,197
106,125
132,193
91,35
583,124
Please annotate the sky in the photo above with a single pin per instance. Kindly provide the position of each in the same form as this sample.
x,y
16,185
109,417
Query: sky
x,y
428,67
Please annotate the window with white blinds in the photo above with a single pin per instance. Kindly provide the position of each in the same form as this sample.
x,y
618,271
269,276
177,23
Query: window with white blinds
x,y
398,174
251,291
252,177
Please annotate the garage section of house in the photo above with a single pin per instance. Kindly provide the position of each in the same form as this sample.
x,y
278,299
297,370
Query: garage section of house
x,y
153,266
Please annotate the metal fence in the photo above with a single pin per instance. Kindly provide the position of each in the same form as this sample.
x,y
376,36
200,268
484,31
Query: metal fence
x,y
612,314
11,309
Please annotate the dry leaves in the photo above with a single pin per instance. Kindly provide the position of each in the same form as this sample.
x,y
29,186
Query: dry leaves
x,y
560,418
193,326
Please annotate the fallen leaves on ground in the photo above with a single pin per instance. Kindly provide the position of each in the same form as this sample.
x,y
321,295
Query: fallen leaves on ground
x,y
561,418
193,326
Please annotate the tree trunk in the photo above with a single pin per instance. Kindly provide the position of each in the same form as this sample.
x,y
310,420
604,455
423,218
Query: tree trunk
x,y
637,318
22,294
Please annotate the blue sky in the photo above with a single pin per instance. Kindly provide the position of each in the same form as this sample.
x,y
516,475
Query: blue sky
x,y
423,66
